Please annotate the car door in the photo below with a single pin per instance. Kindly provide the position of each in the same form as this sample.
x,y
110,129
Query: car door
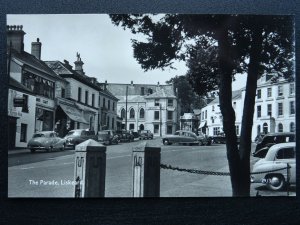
x,y
286,156
185,137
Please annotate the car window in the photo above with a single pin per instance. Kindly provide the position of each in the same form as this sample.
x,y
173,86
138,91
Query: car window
x,y
286,153
290,139
38,135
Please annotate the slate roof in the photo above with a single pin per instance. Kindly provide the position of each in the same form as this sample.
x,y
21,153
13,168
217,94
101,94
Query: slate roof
x,y
66,71
158,91
131,98
33,62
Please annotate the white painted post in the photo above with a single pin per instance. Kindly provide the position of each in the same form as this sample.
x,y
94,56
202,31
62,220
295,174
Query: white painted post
x,y
90,166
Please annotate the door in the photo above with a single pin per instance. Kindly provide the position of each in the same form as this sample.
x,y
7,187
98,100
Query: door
x,y
12,124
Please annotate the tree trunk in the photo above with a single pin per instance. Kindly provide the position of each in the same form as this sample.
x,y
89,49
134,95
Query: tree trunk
x,y
248,110
225,96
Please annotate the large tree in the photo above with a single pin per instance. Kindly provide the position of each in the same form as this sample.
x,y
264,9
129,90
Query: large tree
x,y
215,48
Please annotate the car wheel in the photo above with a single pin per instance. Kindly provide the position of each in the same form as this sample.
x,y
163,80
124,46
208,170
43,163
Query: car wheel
x,y
200,143
32,150
50,149
166,142
275,182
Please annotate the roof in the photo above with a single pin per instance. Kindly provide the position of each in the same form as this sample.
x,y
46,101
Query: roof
x,y
162,93
33,62
136,89
108,93
132,98
65,71
19,87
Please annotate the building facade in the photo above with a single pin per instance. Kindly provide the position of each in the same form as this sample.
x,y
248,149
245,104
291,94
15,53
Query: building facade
x,y
32,73
274,109
146,107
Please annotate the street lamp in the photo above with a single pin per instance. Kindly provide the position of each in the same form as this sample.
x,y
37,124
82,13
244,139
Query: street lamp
x,y
126,107
160,119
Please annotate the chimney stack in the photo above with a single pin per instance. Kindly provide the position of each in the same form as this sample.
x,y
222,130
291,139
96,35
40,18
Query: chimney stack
x,y
78,65
131,82
36,48
15,36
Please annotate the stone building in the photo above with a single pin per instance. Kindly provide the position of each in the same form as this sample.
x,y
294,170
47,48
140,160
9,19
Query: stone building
x,y
146,107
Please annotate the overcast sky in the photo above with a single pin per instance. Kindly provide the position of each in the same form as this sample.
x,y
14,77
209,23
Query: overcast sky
x,y
104,48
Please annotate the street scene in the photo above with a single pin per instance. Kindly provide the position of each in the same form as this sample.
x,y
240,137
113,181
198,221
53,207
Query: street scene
x,y
151,106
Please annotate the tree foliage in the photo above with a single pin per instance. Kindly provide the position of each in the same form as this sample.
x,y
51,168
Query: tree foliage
x,y
215,48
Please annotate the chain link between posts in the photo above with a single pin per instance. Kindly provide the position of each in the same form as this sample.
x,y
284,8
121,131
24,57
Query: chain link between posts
x,y
205,172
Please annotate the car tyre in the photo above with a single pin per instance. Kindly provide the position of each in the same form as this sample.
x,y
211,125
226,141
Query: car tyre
x,y
276,182
166,142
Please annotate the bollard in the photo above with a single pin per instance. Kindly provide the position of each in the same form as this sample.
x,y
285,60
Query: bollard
x,y
146,171
90,166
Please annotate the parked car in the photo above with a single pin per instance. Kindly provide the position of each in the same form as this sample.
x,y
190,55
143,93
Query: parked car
x,y
271,139
75,137
204,139
145,134
182,137
108,137
45,140
221,139
259,138
277,157
125,136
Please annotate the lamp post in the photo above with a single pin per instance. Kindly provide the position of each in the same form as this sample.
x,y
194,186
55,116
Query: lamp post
x,y
160,119
126,107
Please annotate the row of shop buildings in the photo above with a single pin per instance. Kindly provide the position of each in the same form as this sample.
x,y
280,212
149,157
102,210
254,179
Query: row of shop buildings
x,y
274,110
61,97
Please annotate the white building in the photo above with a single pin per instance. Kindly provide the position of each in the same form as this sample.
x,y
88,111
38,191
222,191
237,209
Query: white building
x,y
30,71
274,109
21,119
146,107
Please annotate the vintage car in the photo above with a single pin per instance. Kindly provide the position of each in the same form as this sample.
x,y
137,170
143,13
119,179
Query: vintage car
x,y
108,137
271,139
272,170
75,137
145,134
125,135
45,140
204,139
181,137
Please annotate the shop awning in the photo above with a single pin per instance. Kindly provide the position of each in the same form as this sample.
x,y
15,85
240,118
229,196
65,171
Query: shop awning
x,y
73,113
202,124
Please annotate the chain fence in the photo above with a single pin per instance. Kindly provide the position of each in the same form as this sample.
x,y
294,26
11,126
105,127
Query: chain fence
x,y
206,172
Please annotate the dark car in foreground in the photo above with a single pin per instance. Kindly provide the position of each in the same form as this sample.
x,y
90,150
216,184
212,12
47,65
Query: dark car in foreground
x,y
45,140
75,137
145,134
271,139
108,137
